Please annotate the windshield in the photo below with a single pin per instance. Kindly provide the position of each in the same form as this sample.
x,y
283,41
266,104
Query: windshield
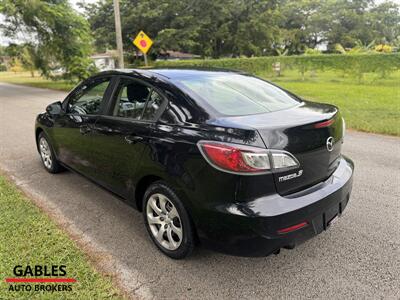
x,y
235,94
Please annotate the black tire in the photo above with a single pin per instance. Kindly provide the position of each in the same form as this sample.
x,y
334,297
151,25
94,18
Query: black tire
x,y
187,242
54,167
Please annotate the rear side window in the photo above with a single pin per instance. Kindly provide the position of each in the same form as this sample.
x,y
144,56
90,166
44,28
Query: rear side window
x,y
235,94
131,98
153,106
138,101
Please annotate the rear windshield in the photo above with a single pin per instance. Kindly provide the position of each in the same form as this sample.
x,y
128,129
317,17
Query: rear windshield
x,y
235,94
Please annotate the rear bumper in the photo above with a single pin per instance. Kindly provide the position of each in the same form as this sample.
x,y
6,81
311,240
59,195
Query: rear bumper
x,y
251,228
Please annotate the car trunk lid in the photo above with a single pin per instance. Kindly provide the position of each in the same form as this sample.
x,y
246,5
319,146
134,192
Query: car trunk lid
x,y
312,132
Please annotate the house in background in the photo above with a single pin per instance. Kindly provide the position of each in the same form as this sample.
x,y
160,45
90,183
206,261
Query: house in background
x,y
104,61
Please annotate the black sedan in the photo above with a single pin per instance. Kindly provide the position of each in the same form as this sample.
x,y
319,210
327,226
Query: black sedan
x,y
211,157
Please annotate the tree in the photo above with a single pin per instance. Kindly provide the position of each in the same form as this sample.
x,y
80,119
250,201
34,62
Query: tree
x,y
25,54
16,66
221,28
54,30
309,23
384,21
209,28
302,25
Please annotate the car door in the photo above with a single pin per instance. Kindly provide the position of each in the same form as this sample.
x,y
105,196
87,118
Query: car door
x,y
73,135
121,136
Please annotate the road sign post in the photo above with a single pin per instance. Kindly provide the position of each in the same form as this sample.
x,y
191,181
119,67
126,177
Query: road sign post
x,y
143,43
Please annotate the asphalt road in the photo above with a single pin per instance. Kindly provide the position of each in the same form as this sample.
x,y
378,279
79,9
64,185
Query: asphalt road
x,y
359,257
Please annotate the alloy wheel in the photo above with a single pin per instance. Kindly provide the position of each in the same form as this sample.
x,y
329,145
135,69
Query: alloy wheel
x,y
164,222
45,153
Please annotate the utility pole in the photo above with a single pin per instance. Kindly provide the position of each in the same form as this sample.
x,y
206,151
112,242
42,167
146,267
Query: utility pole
x,y
118,35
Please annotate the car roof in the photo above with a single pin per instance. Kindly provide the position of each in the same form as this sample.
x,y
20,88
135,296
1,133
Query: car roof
x,y
173,73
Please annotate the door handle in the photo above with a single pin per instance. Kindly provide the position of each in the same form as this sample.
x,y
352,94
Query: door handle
x,y
133,139
84,129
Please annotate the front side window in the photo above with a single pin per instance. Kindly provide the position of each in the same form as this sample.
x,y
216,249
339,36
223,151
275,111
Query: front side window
x,y
235,94
87,100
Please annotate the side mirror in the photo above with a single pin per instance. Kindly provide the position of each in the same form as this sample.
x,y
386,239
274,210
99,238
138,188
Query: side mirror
x,y
54,108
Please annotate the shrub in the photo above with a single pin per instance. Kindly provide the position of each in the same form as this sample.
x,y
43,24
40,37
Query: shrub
x,y
354,65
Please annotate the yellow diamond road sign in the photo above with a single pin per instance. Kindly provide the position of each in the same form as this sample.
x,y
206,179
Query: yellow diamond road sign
x,y
143,42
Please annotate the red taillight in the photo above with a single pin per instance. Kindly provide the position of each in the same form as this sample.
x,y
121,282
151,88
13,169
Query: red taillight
x,y
324,124
226,157
244,159
292,228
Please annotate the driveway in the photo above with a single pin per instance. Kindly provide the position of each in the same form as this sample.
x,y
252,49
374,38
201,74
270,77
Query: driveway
x,y
359,257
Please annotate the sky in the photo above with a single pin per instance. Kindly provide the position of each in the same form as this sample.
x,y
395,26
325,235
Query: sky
x,y
75,2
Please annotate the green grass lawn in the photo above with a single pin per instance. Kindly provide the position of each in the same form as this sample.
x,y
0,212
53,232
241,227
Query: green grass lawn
x,y
25,78
28,236
372,105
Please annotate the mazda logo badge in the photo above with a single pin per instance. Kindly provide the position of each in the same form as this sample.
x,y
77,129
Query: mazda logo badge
x,y
329,143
